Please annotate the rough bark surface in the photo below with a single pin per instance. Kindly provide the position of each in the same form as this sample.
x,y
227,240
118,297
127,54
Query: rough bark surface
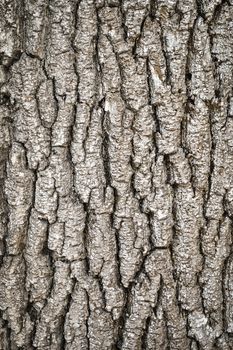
x,y
116,140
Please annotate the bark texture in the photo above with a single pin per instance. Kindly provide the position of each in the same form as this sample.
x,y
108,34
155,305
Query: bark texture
x,y
116,172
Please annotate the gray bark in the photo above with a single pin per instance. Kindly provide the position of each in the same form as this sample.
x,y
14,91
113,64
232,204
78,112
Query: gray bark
x,y
116,124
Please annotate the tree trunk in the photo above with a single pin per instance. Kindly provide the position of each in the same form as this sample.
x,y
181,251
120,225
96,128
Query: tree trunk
x,y
116,124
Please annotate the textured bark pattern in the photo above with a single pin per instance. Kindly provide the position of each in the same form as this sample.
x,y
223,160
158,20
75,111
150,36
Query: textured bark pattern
x,y
116,174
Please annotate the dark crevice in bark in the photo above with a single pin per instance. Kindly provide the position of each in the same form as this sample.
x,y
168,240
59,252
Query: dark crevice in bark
x,y
165,55
7,327
118,258
145,333
212,164
153,9
200,9
55,96
31,55
138,38
168,165
124,26
33,313
84,143
102,290
122,319
157,130
11,60
87,321
85,235
218,9
105,154
150,216
5,99
159,296
148,73
168,336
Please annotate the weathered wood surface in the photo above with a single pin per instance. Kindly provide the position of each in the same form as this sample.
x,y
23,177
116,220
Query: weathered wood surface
x,y
116,140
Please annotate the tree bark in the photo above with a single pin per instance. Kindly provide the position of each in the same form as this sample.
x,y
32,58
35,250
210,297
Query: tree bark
x,y
116,125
